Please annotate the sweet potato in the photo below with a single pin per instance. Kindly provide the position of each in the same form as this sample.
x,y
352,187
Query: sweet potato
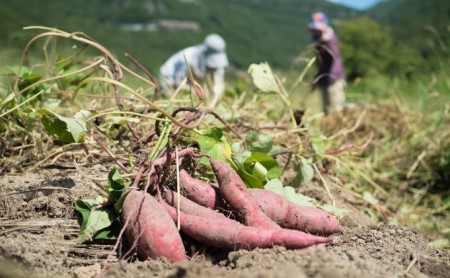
x,y
236,195
278,209
200,191
232,235
189,207
151,228
292,216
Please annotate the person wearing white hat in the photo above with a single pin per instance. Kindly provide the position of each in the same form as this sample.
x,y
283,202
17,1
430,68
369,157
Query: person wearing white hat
x,y
206,60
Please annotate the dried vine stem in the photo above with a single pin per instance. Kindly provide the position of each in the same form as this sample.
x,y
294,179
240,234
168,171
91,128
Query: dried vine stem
x,y
117,68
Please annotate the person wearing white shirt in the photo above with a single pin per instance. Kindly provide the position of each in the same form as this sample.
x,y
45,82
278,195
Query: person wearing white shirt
x,y
205,60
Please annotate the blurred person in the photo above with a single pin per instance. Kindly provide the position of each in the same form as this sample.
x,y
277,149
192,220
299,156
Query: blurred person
x,y
207,60
330,77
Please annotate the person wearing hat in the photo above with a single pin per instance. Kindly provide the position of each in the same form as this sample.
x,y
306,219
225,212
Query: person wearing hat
x,y
206,60
330,77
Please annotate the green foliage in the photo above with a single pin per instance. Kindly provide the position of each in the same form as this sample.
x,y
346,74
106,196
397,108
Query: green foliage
x,y
421,26
262,166
27,80
255,31
93,220
255,169
66,130
365,46
369,48
258,142
213,142
305,173
263,78
117,187
99,218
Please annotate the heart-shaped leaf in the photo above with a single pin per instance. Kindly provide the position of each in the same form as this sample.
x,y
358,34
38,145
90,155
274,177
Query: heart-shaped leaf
x,y
66,130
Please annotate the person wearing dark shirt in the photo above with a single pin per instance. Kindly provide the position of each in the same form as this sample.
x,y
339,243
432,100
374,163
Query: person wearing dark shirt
x,y
330,76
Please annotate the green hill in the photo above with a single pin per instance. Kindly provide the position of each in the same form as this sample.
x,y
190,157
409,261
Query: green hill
x,y
422,25
151,30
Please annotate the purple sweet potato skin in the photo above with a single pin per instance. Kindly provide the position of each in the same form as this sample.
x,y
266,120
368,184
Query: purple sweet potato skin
x,y
232,235
151,228
236,195
280,210
200,191
292,216
189,207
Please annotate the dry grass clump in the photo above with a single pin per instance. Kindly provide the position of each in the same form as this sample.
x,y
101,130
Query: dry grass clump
x,y
409,157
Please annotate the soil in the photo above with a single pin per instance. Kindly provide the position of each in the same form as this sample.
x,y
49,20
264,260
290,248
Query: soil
x,y
38,238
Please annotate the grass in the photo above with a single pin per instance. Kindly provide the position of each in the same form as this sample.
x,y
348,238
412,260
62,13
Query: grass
x,y
425,93
409,157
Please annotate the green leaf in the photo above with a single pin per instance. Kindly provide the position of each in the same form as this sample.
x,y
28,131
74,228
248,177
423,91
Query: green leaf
x,y
440,243
99,219
66,130
258,142
111,232
269,163
263,77
254,168
83,116
214,132
84,208
276,111
238,165
318,145
236,148
116,186
93,219
290,194
9,98
299,198
119,203
339,213
212,141
30,77
27,79
249,180
115,181
259,171
305,173
276,186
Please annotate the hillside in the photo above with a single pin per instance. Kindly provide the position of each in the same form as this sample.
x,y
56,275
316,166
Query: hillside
x,y
151,30
423,25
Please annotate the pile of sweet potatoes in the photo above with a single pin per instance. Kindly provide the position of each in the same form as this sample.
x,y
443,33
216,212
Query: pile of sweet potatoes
x,y
227,216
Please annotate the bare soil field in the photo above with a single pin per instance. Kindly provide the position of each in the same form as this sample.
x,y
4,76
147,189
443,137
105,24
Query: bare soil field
x,y
39,229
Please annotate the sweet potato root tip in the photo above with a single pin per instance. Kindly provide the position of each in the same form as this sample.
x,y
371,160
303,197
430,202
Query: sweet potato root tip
x,y
151,228
232,235
235,194
292,216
